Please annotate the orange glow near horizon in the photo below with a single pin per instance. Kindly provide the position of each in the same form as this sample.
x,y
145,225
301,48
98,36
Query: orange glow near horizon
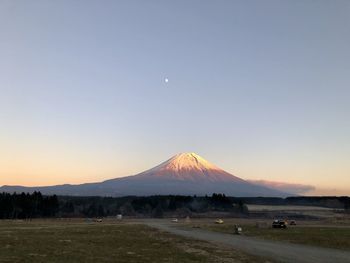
x,y
35,171
117,89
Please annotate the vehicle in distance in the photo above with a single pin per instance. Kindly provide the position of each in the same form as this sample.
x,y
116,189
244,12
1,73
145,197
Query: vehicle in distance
x,y
293,223
219,221
277,223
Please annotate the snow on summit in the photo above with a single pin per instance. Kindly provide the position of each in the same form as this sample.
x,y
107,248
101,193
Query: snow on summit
x,y
187,161
188,166
183,174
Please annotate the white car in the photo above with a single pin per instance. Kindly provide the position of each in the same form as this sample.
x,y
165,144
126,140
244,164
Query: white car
x,y
219,221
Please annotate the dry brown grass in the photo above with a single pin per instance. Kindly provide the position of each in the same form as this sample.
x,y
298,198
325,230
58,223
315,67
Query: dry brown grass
x,y
79,241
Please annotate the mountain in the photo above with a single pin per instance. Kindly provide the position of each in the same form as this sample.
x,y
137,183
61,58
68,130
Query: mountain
x,y
183,174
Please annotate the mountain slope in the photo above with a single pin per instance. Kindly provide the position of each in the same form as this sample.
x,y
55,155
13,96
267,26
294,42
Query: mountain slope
x,y
188,167
183,174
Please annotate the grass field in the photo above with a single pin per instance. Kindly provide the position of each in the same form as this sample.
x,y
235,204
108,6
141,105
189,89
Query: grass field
x,y
323,236
60,241
287,208
310,211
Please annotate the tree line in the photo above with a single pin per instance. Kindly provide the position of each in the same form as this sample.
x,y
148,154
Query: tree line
x,y
25,206
35,205
336,202
149,206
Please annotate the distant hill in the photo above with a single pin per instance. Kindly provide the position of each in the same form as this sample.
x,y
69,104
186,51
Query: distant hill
x,y
183,174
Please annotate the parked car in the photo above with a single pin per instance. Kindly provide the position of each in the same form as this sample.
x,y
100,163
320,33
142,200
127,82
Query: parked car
x,y
174,220
219,221
277,223
292,223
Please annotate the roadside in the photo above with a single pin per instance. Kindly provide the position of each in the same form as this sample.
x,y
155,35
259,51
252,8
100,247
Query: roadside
x,y
284,252
327,236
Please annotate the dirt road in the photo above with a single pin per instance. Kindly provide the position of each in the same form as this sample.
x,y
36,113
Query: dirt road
x,y
280,251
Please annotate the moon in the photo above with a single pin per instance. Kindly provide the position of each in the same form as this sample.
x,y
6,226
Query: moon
x,y
166,80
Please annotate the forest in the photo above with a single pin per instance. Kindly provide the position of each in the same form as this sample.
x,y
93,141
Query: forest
x,y
336,202
21,206
35,205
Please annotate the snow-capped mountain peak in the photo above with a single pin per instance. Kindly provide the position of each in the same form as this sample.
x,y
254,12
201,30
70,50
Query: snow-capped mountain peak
x,y
183,174
186,161
188,166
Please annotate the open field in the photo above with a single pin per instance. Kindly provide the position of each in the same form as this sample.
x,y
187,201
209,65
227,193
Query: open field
x,y
316,233
131,240
79,241
298,211
287,208
283,251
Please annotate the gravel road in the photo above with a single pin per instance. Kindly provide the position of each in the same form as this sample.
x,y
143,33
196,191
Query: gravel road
x,y
279,251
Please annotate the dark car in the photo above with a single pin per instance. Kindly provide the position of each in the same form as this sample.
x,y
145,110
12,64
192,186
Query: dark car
x,y
292,223
279,224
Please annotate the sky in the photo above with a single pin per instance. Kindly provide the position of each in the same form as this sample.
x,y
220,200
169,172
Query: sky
x,y
260,88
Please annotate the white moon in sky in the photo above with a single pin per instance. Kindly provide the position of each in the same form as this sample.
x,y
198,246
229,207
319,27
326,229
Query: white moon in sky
x,y
166,80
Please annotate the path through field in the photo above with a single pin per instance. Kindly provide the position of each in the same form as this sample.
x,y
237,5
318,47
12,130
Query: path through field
x,y
280,251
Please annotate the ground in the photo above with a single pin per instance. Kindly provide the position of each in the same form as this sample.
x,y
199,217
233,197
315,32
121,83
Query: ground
x,y
154,240
276,250
109,241
316,233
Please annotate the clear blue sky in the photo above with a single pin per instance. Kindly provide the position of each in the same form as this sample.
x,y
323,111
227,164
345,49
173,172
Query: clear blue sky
x,y
260,88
